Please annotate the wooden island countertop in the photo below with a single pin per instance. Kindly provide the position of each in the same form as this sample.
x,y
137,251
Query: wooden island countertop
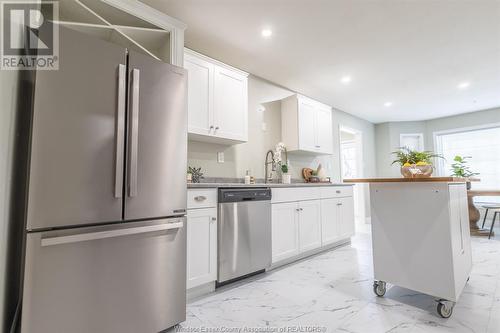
x,y
406,180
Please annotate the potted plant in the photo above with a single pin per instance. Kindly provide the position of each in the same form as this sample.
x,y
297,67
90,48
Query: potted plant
x,y
286,178
196,174
460,169
415,164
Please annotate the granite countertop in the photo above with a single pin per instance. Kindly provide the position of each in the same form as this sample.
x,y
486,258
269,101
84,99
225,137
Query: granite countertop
x,y
223,184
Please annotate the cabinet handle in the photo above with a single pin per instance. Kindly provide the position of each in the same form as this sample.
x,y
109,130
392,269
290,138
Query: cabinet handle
x,y
216,128
297,209
200,198
339,204
214,219
318,146
337,191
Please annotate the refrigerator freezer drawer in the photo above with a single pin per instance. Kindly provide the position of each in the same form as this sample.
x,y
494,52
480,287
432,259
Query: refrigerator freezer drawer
x,y
126,277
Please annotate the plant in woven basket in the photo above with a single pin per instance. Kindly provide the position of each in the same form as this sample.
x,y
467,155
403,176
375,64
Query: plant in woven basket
x,y
196,174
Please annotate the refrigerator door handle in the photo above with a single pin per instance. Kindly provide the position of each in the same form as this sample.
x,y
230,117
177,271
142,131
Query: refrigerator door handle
x,y
120,131
134,134
109,234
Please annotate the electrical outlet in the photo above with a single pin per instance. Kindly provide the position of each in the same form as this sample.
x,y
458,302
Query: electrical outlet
x,y
264,127
220,157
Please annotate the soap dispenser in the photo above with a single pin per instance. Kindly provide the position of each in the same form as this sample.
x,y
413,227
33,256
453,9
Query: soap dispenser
x,y
247,178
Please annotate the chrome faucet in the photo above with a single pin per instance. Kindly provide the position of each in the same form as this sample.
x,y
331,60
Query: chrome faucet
x,y
269,176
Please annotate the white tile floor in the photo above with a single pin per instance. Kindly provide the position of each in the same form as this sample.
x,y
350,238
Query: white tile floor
x,y
332,292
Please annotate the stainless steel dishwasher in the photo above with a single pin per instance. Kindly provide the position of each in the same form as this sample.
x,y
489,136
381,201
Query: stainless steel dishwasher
x,y
244,232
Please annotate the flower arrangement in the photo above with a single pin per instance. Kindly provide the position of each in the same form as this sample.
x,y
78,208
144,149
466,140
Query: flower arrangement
x,y
281,162
415,163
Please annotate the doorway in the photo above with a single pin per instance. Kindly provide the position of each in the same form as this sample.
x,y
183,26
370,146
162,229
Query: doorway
x,y
351,166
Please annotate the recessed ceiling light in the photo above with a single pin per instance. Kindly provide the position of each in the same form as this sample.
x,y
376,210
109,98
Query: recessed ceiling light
x,y
388,104
345,79
266,33
463,85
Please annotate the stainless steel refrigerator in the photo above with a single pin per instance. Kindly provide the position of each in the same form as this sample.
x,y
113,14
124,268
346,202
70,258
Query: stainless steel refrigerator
x,y
105,226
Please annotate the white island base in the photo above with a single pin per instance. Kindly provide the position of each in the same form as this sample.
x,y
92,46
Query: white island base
x,y
421,238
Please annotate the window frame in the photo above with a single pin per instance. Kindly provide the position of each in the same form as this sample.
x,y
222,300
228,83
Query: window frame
x,y
420,139
438,144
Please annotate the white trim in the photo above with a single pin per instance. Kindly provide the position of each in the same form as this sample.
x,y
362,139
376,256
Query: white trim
x,y
216,62
359,148
420,139
173,26
147,13
361,188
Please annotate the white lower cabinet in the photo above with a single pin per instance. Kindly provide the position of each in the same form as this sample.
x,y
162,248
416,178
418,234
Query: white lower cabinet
x,y
285,240
346,217
304,220
201,244
296,228
309,225
337,219
330,217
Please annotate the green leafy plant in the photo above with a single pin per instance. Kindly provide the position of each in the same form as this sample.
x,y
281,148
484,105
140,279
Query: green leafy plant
x,y
284,168
460,168
406,156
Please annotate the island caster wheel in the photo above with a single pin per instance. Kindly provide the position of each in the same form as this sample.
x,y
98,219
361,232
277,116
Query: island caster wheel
x,y
444,310
379,288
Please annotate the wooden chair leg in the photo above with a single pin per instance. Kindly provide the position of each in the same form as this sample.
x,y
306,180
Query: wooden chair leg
x,y
492,224
484,220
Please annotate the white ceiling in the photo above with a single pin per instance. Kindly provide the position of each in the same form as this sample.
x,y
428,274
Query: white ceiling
x,y
411,53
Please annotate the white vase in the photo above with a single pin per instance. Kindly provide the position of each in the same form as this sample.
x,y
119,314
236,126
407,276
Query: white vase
x,y
286,178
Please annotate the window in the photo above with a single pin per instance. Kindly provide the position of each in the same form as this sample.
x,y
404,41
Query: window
x,y
412,141
482,145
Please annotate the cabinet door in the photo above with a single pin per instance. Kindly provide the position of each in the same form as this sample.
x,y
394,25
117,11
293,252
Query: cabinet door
x,y
330,214
201,246
200,95
346,217
230,105
285,242
324,130
309,225
307,124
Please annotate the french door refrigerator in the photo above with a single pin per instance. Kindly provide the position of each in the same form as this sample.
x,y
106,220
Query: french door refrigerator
x,y
105,226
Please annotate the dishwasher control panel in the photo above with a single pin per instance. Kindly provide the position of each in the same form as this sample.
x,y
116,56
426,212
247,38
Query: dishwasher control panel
x,y
244,194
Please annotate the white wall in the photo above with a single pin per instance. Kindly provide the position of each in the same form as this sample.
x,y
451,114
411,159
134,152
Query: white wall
x,y
251,155
387,134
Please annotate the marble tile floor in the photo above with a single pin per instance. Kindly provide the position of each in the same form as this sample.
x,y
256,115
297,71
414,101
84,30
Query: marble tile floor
x,y
332,292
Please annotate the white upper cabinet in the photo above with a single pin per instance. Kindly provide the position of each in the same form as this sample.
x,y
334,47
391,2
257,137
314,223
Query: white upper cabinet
x,y
200,94
306,125
217,100
230,104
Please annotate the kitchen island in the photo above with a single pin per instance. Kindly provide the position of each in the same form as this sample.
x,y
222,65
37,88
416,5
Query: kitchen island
x,y
421,238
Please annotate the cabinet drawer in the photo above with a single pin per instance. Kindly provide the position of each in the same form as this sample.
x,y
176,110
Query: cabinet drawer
x,y
336,191
295,194
202,198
